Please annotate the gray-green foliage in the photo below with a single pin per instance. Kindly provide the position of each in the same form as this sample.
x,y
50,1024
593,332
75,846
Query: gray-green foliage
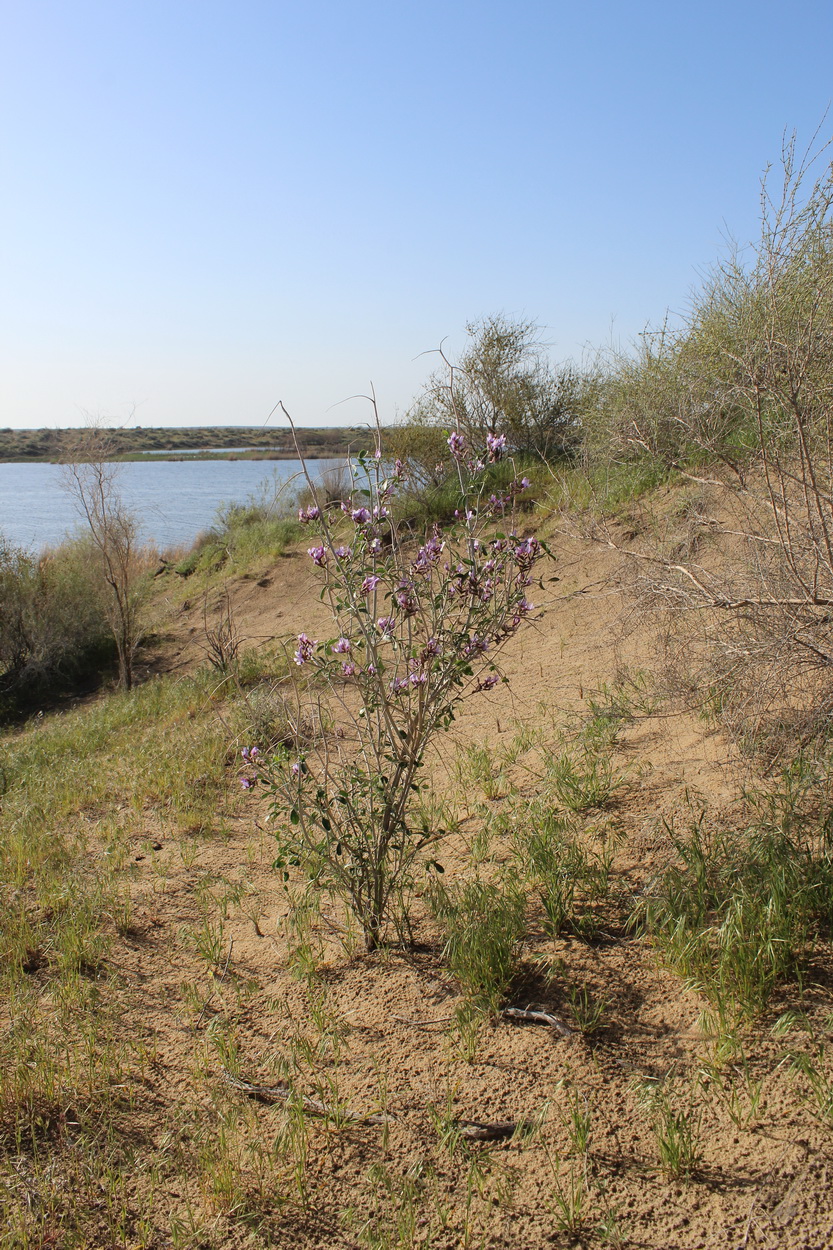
x,y
753,359
240,534
503,383
739,395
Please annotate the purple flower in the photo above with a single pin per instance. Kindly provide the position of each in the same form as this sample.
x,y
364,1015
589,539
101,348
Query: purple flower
x,y
361,515
309,514
431,648
344,553
254,753
349,670
385,625
457,444
476,646
375,546
418,678
306,649
524,607
524,484
406,598
296,770
527,552
399,684
245,754
370,583
318,555
429,555
343,646
380,513
488,682
496,445
371,670
245,783
398,469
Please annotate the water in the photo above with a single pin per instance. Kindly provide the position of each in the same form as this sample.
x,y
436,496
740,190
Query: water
x,y
173,500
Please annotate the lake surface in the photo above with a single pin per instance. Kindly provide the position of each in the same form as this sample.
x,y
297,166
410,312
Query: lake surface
x,y
174,500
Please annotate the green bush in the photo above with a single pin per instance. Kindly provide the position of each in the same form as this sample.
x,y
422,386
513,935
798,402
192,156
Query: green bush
x,y
426,503
53,624
241,533
503,384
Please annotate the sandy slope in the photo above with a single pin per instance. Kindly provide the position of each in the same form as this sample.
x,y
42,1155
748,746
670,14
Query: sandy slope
x,y
765,1183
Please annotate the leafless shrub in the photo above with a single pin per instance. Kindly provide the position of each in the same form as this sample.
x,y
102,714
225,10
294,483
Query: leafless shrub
x,y
92,481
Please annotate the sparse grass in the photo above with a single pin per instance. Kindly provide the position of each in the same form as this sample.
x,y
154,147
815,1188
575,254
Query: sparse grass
x,y
584,777
741,910
484,925
676,1123
76,788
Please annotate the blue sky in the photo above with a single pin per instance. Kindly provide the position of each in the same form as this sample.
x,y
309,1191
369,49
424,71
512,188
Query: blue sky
x,y
210,206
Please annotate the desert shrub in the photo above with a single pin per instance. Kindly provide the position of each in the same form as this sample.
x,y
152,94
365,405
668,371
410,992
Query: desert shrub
x,y
269,713
92,482
253,529
739,399
207,552
502,384
417,628
53,623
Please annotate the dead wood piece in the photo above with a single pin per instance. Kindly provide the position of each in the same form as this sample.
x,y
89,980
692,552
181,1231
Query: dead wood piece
x,y
420,1024
473,1130
309,1104
538,1017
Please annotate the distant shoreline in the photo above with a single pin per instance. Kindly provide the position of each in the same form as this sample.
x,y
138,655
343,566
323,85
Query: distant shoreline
x,y
48,446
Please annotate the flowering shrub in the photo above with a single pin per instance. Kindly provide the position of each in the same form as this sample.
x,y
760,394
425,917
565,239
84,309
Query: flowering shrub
x,y
418,627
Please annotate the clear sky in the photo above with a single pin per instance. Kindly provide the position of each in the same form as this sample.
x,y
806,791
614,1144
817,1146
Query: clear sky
x,y
209,206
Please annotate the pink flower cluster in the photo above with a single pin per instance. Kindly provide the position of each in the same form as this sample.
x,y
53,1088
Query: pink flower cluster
x,y
495,445
306,649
